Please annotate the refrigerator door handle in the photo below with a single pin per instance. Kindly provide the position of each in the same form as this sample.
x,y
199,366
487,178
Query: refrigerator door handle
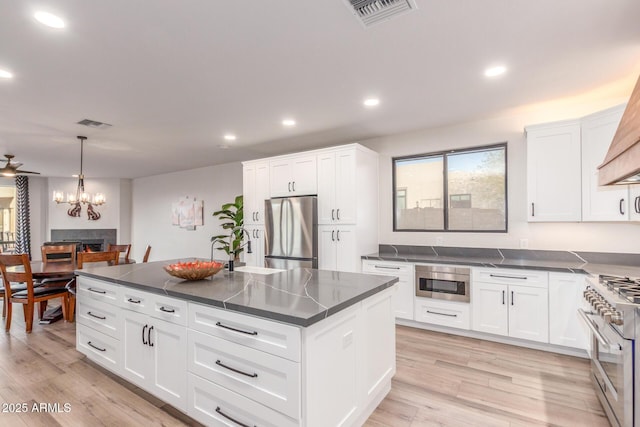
x,y
291,229
282,208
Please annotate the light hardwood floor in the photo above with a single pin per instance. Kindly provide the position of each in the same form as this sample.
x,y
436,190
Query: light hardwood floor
x,y
441,380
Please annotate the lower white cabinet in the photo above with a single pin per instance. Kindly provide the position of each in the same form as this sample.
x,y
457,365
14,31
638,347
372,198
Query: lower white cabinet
x,y
151,356
101,348
443,313
565,298
405,288
514,305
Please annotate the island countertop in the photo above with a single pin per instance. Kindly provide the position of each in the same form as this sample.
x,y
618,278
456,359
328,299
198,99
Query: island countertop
x,y
300,297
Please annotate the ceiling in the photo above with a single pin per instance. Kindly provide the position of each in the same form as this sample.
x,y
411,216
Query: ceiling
x,y
173,77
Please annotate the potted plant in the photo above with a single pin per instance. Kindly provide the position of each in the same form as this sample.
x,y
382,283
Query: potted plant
x,y
232,215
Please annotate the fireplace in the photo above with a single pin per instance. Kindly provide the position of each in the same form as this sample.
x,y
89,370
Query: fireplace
x,y
85,239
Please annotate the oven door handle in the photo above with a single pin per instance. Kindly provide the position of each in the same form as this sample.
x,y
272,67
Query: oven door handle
x,y
592,327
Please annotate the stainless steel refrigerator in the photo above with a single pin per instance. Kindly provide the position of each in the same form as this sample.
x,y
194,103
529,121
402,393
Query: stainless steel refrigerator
x,y
291,232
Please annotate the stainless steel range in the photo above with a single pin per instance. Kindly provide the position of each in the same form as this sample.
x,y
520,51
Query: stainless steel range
x,y
614,323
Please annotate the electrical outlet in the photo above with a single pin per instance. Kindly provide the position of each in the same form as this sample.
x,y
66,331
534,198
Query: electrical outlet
x,y
439,241
524,243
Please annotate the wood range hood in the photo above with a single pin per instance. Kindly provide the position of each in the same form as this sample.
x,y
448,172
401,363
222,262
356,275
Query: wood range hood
x,y
622,163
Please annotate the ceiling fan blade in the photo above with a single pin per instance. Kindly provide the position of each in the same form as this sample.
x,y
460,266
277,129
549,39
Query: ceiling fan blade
x,y
21,172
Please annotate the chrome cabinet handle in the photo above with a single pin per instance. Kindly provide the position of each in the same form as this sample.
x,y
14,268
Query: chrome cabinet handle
x,y
503,276
388,268
97,348
511,297
237,371
97,317
97,291
134,301
442,314
293,185
637,204
503,297
233,420
236,330
621,208
167,310
289,186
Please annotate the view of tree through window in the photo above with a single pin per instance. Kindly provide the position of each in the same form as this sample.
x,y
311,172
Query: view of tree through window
x,y
462,190
7,217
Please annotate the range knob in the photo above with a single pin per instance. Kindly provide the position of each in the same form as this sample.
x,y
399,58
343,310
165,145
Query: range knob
x,y
616,318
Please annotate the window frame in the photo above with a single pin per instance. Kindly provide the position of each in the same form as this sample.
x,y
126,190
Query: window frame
x,y
446,194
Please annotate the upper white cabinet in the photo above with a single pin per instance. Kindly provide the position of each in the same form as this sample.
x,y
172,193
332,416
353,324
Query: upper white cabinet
x,y
608,203
293,176
634,202
337,192
553,172
255,188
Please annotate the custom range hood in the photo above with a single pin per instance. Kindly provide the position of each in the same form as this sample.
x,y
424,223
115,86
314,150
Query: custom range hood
x,y
622,163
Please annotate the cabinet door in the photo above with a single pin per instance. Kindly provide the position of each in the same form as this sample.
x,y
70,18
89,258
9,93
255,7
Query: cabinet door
x,y
326,188
261,191
489,308
529,313
346,257
304,176
249,193
280,178
610,203
565,298
327,248
553,173
256,257
345,190
137,358
634,202
169,381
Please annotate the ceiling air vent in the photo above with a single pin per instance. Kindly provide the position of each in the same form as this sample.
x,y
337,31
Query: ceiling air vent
x,y
94,124
371,12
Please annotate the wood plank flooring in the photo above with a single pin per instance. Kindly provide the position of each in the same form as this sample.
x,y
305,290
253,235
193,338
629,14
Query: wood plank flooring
x,y
441,380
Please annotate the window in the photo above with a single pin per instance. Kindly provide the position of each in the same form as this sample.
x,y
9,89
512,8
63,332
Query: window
x,y
472,181
7,217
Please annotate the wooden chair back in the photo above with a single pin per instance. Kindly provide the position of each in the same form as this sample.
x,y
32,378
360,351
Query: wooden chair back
x,y
85,257
62,253
120,248
21,276
146,254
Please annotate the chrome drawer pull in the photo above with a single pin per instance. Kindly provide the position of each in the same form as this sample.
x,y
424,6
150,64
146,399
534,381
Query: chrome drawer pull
x,y
134,301
236,330
167,310
219,363
98,291
97,348
219,411
508,277
97,317
442,314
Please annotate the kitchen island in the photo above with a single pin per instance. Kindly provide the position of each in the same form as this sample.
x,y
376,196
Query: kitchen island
x,y
295,348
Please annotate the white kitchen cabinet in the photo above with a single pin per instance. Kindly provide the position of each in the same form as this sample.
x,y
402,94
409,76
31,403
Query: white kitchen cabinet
x,y
404,295
452,314
336,248
293,176
149,356
634,202
255,189
337,187
553,172
512,303
256,257
607,203
565,298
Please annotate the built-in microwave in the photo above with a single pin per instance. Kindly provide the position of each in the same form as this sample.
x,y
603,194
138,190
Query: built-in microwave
x,y
443,282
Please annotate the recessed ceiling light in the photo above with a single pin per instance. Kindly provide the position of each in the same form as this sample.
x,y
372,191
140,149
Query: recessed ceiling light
x,y
495,71
229,137
48,19
288,122
371,102
4,74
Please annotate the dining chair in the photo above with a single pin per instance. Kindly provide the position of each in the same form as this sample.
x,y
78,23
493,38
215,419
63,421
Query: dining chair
x,y
29,296
146,254
83,258
58,253
121,249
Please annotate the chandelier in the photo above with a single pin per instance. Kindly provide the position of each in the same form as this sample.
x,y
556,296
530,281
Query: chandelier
x,y
81,197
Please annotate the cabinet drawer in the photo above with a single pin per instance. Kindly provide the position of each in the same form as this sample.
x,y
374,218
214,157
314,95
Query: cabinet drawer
x,y
97,290
98,347
275,338
265,378
99,315
387,268
213,405
511,277
444,313
136,300
170,309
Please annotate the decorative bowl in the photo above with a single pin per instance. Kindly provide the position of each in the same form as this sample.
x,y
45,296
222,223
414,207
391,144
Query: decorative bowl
x,y
193,270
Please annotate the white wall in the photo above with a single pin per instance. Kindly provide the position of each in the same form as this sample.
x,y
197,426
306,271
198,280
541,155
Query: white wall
x,y
38,189
600,237
151,218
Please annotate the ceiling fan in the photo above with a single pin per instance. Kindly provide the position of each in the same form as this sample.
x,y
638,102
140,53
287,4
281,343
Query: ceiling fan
x,y
11,169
